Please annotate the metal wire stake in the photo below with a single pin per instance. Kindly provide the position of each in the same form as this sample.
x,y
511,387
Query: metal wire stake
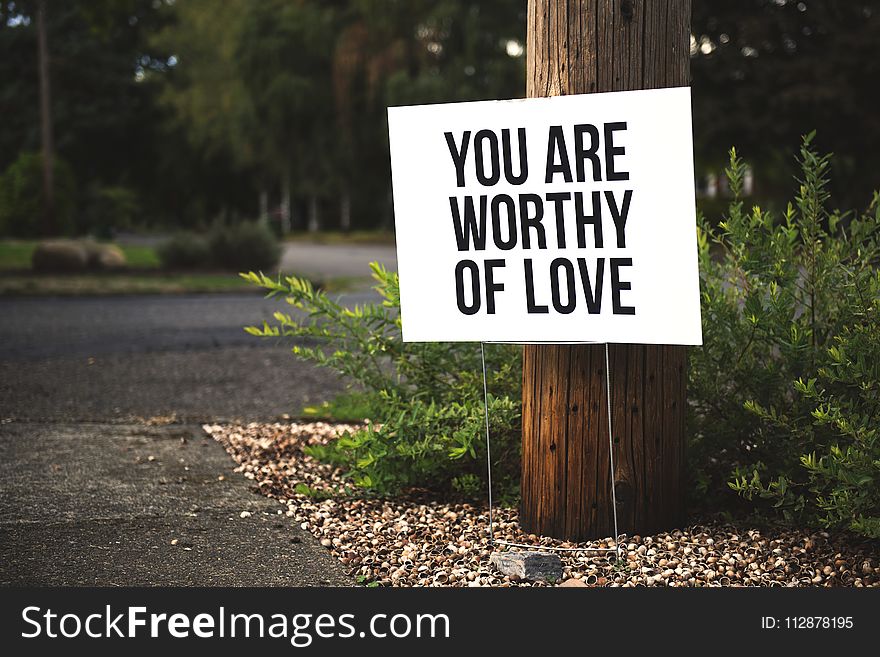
x,y
611,451
488,451
492,540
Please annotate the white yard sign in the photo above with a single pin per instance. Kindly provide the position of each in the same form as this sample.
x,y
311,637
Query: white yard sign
x,y
565,219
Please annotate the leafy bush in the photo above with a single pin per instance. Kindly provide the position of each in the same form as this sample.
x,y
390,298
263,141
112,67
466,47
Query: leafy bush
x,y
784,392
426,399
109,209
21,197
241,246
244,246
184,251
351,406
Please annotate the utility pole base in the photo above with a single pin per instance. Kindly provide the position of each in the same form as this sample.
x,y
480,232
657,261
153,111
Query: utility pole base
x,y
566,473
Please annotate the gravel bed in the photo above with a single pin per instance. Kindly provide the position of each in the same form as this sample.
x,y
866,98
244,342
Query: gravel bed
x,y
416,541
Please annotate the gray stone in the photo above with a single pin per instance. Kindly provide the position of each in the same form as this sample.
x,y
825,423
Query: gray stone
x,y
534,566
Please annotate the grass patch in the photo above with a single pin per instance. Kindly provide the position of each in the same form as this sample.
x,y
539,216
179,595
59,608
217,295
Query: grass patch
x,y
141,257
120,283
15,255
145,282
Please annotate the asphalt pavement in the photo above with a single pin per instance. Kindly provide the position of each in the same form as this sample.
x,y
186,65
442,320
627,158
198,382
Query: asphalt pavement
x,y
130,505
129,357
326,261
92,492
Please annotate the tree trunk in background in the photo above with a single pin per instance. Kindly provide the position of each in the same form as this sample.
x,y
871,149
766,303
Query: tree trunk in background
x,y
264,207
314,218
285,204
48,146
583,46
345,212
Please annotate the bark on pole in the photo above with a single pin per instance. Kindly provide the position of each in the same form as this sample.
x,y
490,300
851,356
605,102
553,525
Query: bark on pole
x,y
584,46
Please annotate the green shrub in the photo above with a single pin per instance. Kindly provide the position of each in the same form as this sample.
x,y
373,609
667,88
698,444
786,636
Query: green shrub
x,y
244,246
426,399
784,391
109,209
352,406
184,251
21,197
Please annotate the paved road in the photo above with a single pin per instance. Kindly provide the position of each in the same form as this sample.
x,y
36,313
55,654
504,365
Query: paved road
x,y
121,358
323,260
82,502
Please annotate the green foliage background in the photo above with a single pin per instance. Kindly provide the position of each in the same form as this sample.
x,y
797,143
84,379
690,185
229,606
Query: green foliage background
x,y
197,107
784,391
21,197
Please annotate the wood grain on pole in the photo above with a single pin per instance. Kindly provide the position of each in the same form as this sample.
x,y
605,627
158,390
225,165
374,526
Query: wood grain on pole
x,y
584,46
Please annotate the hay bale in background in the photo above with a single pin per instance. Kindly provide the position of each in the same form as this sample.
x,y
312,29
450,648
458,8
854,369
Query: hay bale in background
x,y
104,256
60,256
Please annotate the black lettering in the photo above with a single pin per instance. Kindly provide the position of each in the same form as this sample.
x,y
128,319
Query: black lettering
x,y
471,266
571,301
531,307
584,153
558,198
620,215
617,285
497,201
523,159
481,136
611,151
468,231
556,142
593,294
458,154
583,219
528,220
491,286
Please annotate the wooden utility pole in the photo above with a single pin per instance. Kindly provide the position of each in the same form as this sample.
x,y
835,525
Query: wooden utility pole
x,y
46,122
584,46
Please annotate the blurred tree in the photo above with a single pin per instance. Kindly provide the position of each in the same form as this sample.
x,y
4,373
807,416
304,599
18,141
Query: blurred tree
x,y
204,109
398,52
296,91
209,109
46,140
766,72
103,115
284,58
